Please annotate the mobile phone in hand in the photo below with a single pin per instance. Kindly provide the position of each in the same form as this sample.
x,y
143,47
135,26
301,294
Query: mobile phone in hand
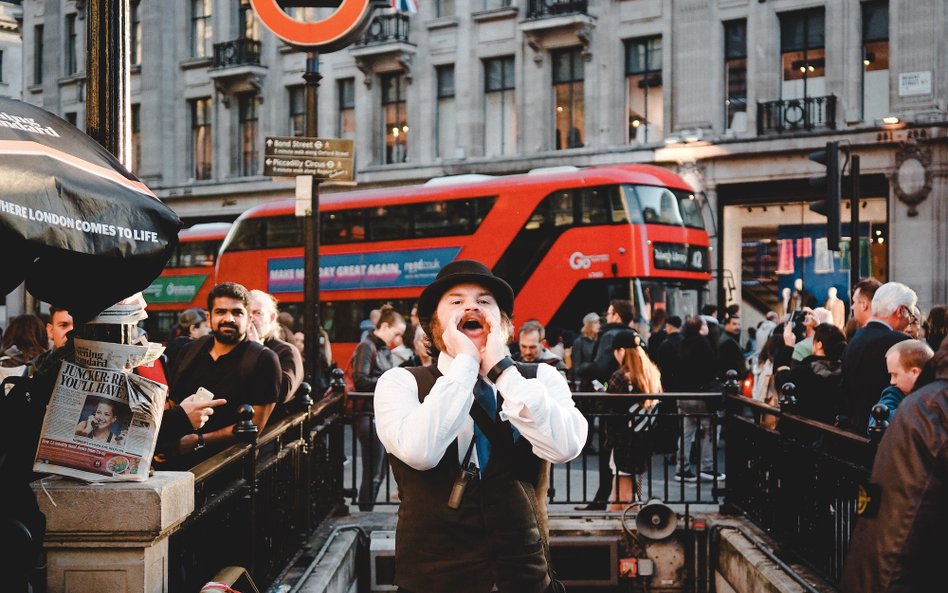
x,y
203,395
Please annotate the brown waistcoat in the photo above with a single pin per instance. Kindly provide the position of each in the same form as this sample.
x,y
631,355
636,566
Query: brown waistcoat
x,y
497,536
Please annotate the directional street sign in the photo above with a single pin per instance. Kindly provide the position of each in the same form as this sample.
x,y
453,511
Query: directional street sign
x,y
323,158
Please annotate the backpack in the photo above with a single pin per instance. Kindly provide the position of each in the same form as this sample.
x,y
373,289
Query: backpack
x,y
24,398
352,406
189,353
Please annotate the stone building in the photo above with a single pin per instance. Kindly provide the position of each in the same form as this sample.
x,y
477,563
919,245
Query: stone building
x,y
11,51
732,94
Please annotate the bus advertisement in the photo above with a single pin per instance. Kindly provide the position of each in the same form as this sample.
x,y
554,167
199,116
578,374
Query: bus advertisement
x,y
567,240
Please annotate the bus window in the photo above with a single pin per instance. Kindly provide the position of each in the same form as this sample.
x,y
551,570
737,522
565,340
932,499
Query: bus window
x,y
620,213
342,226
284,231
594,205
443,219
661,205
480,207
556,210
677,298
196,254
632,204
249,234
691,211
389,223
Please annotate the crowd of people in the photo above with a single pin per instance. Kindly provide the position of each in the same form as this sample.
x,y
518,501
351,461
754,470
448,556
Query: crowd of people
x,y
879,357
242,350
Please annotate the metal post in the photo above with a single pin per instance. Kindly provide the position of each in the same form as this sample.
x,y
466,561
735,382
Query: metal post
x,y
311,323
854,242
108,119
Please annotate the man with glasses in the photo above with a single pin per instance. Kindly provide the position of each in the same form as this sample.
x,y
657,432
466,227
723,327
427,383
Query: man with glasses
x,y
864,368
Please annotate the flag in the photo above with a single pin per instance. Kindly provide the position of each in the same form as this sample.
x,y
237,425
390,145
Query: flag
x,y
409,6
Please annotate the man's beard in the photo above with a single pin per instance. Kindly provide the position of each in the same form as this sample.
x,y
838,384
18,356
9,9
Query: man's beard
x,y
435,334
225,338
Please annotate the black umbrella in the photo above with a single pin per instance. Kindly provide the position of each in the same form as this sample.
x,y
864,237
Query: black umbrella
x,y
75,225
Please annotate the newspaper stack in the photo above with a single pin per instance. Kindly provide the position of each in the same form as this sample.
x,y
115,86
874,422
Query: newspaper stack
x,y
102,421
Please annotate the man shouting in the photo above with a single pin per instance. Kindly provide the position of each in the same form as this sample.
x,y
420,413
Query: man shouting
x,y
469,441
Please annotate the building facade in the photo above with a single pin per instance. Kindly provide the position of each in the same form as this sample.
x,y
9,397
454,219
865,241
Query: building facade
x,y
11,51
732,94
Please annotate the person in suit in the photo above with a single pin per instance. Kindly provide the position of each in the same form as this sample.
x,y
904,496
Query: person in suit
x,y
864,369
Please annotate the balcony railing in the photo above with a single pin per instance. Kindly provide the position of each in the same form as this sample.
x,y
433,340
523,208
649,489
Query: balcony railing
x,y
546,8
386,28
793,115
237,52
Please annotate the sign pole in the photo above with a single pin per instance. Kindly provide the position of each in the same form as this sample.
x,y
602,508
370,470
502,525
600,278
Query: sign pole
x,y
107,86
854,242
311,324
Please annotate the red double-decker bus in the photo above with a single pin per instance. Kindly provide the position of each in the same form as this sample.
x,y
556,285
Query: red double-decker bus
x,y
186,279
567,240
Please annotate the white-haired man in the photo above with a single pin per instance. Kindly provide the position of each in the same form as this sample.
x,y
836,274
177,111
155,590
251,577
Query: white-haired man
x,y
263,315
864,368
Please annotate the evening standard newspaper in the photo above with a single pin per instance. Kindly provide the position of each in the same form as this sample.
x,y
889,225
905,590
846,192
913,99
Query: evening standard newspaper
x,y
102,421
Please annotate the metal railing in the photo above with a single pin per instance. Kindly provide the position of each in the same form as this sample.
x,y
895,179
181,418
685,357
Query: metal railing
x,y
386,28
794,115
258,502
546,8
577,482
237,52
798,481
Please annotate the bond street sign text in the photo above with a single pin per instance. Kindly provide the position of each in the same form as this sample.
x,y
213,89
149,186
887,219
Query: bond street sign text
x,y
324,158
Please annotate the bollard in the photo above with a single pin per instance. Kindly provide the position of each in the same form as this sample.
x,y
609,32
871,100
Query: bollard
x,y
336,382
788,399
880,414
245,430
304,399
731,386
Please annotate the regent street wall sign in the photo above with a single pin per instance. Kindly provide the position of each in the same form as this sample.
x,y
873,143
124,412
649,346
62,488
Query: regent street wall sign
x,y
336,31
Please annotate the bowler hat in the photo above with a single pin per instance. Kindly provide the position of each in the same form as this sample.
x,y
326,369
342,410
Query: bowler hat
x,y
464,271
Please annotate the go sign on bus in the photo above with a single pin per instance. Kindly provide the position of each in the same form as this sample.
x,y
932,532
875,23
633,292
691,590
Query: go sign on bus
x,y
324,158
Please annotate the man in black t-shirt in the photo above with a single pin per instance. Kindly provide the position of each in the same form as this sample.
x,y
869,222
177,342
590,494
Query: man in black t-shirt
x,y
218,366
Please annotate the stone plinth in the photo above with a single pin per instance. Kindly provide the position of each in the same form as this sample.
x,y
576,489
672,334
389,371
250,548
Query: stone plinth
x,y
112,537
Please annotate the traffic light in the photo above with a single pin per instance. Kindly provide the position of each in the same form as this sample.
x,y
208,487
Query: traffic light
x,y
830,187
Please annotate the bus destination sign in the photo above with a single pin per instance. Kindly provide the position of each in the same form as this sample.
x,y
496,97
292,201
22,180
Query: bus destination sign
x,y
329,159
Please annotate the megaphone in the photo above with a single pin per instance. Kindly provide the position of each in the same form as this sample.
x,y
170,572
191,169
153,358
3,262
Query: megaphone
x,y
656,520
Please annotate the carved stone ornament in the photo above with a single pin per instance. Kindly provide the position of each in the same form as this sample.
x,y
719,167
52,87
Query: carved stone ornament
x,y
912,179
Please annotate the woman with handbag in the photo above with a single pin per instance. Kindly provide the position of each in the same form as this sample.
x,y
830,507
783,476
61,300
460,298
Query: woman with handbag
x,y
629,436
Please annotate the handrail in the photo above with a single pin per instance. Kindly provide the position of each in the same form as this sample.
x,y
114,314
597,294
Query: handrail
x,y
219,461
796,418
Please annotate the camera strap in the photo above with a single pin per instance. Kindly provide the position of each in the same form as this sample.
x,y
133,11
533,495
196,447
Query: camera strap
x,y
466,473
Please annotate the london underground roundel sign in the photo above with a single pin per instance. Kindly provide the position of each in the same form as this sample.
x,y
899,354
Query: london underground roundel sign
x,y
334,32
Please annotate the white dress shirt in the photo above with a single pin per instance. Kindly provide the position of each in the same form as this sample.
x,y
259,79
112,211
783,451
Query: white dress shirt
x,y
541,409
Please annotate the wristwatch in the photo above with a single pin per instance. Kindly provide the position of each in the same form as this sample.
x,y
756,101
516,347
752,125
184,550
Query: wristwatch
x,y
504,364
200,443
